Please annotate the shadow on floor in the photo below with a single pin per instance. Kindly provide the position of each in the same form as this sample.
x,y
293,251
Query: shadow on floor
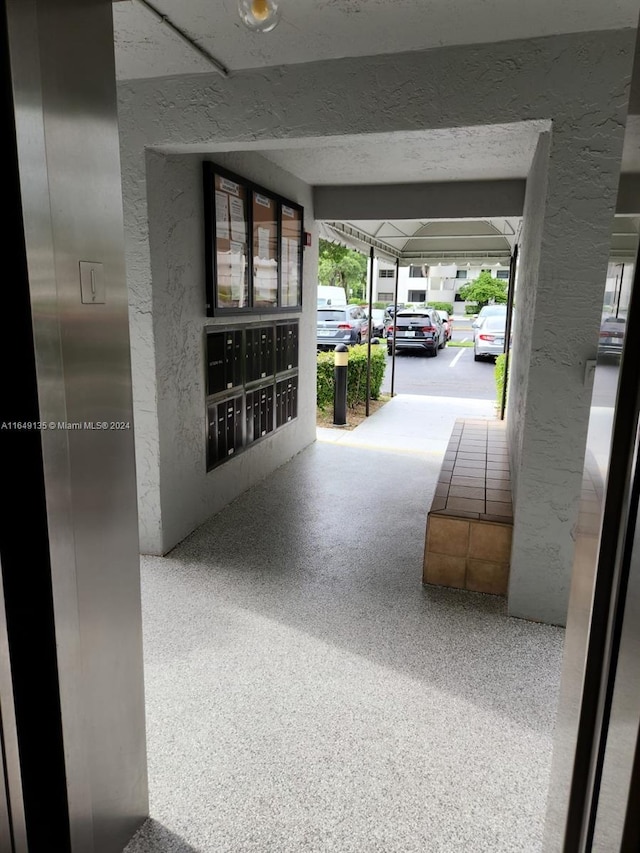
x,y
331,545
153,837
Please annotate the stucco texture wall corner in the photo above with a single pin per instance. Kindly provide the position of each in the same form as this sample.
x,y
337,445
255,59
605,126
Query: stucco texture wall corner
x,y
450,87
142,341
569,207
188,494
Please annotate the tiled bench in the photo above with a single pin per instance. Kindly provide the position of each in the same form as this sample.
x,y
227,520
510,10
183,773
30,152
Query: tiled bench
x,y
469,525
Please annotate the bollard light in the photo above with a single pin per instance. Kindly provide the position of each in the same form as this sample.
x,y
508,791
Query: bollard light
x,y
340,385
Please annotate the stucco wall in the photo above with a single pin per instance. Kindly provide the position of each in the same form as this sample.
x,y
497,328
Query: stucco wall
x,y
570,207
188,494
578,82
525,300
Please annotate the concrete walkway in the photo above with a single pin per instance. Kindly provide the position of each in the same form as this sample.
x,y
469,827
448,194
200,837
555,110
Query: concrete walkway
x,y
410,424
306,694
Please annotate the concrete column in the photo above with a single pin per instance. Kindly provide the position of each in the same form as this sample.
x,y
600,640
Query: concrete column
x,y
569,207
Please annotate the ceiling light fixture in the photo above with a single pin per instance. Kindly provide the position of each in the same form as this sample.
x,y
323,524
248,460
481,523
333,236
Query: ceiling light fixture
x,y
260,16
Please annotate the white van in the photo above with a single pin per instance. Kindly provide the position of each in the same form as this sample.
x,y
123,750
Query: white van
x,y
331,296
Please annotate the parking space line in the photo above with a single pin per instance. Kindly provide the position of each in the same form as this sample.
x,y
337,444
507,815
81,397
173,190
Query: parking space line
x,y
457,358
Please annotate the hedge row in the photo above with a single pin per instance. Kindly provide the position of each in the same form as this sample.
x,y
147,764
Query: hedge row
x,y
356,375
499,373
441,306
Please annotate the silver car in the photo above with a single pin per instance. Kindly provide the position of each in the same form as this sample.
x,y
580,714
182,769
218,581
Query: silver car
x,y
348,325
489,338
499,310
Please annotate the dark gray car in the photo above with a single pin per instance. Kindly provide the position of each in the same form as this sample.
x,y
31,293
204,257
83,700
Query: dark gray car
x,y
419,330
348,325
611,339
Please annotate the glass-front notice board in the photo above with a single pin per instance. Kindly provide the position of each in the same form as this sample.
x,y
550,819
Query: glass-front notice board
x,y
253,247
265,251
291,256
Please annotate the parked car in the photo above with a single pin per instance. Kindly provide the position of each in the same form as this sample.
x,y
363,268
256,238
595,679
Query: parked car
x,y
611,339
489,339
421,330
330,295
391,308
377,322
348,325
499,310
447,319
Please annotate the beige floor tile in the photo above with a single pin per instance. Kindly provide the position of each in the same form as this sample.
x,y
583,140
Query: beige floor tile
x,y
503,495
490,541
477,493
503,483
499,508
468,504
447,536
484,576
468,471
445,570
475,482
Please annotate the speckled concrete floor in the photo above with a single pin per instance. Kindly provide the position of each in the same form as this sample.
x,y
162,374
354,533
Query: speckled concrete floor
x,y
306,693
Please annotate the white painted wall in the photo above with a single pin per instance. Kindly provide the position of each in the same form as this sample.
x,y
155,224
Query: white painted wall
x,y
525,297
187,494
569,210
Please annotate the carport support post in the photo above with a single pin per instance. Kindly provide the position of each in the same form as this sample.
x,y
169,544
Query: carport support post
x,y
340,385
370,327
393,336
507,331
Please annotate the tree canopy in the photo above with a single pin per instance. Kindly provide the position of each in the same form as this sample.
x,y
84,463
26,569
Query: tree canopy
x,y
485,289
342,267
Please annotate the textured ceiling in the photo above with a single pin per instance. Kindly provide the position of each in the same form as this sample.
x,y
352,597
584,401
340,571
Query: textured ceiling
x,y
313,30
489,152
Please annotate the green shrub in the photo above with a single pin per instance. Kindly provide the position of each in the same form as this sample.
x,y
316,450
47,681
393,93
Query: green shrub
x,y
325,379
499,374
356,375
441,306
471,309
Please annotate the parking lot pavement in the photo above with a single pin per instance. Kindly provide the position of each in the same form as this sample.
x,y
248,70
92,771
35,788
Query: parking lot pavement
x,y
454,373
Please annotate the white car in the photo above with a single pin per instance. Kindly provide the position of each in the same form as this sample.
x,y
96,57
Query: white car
x,y
330,296
499,309
489,338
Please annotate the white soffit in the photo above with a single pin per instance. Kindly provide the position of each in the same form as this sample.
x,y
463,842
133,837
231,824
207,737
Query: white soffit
x,y
313,30
487,152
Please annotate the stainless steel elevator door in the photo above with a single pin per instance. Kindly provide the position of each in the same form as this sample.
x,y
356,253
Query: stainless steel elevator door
x,y
13,838
617,813
599,702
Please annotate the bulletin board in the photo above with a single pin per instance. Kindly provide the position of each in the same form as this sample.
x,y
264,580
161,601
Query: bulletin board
x,y
253,246
231,251
265,250
291,255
